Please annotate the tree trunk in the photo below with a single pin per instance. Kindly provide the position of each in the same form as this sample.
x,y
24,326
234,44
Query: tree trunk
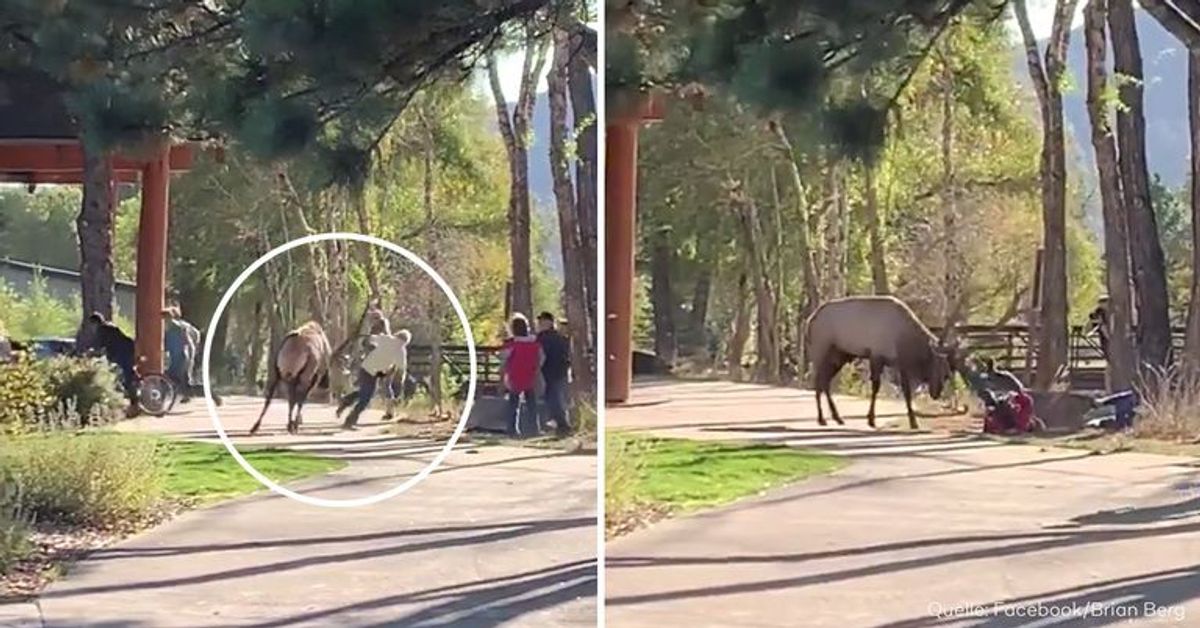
x,y
256,345
767,332
1192,342
741,328
1149,265
662,297
575,283
370,259
515,132
808,274
583,108
94,227
699,314
1052,324
434,308
952,289
837,230
1121,353
879,279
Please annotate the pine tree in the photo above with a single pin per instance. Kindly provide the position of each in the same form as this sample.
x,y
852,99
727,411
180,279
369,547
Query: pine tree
x,y
780,55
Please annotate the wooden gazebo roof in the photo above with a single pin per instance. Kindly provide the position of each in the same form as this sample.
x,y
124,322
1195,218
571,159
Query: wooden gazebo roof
x,y
39,138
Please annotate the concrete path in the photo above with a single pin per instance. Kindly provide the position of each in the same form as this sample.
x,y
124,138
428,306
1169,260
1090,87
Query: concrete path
x,y
920,530
498,536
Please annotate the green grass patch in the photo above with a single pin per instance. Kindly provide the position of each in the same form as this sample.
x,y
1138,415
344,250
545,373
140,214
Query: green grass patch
x,y
667,476
207,472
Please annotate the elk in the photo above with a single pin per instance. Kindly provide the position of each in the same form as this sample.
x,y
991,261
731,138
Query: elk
x,y
301,363
883,331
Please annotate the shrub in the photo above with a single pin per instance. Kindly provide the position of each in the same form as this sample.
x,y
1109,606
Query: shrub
x,y
24,395
585,418
86,388
89,478
1170,406
623,460
14,529
36,314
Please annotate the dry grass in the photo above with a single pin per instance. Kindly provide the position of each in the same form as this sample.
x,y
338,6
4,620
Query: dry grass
x,y
419,420
1170,407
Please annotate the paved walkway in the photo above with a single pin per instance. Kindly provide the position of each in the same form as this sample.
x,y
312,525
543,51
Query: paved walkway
x,y
921,530
497,536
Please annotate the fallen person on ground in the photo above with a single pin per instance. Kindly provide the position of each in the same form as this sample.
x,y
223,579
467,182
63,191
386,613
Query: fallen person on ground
x,y
1113,412
1008,407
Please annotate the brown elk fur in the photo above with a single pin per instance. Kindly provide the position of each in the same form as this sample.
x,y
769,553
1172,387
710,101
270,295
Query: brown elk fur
x,y
883,331
301,363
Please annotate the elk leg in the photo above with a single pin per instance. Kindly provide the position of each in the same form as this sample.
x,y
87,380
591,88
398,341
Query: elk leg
x,y
904,386
270,395
817,397
821,380
293,399
876,374
831,370
300,407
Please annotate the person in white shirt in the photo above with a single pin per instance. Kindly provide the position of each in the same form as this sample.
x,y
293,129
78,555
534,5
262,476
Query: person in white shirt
x,y
387,356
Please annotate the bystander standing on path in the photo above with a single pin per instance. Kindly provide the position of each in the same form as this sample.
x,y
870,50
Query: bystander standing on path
x,y
555,372
522,359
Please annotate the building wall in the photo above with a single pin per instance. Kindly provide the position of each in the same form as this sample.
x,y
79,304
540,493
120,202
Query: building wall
x,y
62,285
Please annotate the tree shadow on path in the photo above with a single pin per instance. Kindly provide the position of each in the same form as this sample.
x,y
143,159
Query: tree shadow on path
x,y
482,603
506,534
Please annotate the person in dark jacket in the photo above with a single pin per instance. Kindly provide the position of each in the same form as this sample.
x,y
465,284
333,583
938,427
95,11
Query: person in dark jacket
x,y
119,349
555,371
1098,323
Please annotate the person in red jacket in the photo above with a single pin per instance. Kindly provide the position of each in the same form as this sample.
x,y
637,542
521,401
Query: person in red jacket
x,y
522,359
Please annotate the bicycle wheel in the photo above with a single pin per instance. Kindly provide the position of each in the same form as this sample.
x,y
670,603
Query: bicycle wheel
x,y
156,395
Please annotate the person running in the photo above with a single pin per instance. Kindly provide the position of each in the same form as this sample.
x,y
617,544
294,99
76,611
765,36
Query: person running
x,y
387,354
521,358
181,340
555,370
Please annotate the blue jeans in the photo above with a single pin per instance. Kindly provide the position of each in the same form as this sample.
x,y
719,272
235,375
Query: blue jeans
x,y
361,397
556,404
515,424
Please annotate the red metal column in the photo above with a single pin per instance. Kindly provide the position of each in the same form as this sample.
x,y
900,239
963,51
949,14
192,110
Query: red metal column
x,y
152,263
620,234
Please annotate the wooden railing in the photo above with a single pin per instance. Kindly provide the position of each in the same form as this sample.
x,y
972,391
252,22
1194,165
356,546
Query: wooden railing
x,y
457,359
1015,347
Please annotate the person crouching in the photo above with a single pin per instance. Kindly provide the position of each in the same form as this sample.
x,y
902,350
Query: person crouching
x,y
388,355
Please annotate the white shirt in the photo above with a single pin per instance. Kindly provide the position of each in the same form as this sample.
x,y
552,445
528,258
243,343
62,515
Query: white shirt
x,y
389,352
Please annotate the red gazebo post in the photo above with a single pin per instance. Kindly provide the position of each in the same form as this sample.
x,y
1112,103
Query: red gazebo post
x,y
620,237
39,143
152,261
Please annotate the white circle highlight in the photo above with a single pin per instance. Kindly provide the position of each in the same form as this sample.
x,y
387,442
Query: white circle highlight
x,y
321,501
